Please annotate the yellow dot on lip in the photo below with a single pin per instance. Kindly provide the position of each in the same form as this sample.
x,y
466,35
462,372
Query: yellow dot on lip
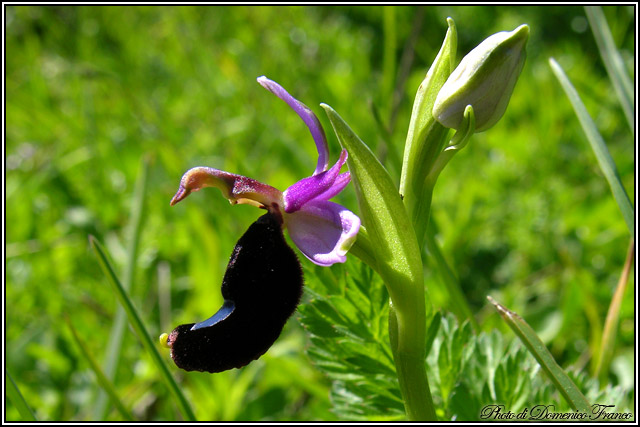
x,y
164,338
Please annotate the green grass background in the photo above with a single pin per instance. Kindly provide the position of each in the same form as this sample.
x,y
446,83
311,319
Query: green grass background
x,y
523,212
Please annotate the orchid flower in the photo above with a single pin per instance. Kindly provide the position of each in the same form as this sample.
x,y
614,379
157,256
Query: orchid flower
x,y
323,231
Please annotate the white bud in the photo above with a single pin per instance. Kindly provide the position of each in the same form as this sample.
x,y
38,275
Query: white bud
x,y
484,79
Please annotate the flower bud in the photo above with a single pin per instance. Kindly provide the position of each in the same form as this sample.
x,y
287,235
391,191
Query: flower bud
x,y
484,79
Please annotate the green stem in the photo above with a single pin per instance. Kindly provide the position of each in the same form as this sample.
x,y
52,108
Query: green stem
x,y
420,208
389,246
407,332
410,367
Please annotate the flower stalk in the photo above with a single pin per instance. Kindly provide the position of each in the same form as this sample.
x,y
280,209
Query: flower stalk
x,y
391,249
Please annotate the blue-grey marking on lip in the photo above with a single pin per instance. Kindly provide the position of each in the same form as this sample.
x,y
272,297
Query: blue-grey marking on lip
x,y
223,313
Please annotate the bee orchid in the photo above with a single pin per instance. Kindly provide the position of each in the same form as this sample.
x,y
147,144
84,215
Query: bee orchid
x,y
323,230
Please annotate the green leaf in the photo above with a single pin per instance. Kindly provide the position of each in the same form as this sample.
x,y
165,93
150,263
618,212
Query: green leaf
x,y
530,339
478,370
382,212
599,147
367,401
381,209
463,404
426,137
612,61
470,370
138,326
13,392
358,360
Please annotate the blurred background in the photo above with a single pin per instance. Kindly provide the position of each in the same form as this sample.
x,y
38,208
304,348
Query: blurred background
x,y
95,95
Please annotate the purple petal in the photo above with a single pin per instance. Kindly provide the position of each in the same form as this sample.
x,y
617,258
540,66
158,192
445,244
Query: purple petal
x,y
314,186
236,188
338,185
323,231
307,116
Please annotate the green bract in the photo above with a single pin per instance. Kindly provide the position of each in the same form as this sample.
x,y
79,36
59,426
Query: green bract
x,y
484,79
426,138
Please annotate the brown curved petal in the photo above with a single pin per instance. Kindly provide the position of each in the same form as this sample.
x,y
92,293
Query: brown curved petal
x,y
236,188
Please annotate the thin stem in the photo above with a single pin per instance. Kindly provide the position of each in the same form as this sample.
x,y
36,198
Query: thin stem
x,y
410,367
407,332
396,257
420,207
458,142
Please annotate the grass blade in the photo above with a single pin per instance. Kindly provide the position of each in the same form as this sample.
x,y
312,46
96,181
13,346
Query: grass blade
x,y
611,324
143,335
16,398
534,344
599,147
612,60
114,347
107,385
